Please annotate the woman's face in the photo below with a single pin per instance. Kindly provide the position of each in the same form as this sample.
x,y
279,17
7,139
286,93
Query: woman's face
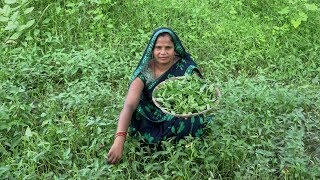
x,y
163,50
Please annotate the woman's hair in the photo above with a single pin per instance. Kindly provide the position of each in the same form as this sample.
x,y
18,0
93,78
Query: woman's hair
x,y
164,34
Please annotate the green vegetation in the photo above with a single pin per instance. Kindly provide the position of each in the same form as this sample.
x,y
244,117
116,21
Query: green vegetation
x,y
65,67
185,95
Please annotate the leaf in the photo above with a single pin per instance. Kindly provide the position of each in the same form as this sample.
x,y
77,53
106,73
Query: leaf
x,y
315,80
99,130
98,17
11,26
303,16
46,21
21,28
28,10
15,16
110,26
30,23
16,35
203,88
10,41
6,10
66,153
296,23
141,31
28,132
284,10
4,19
311,7
44,123
10,1
36,32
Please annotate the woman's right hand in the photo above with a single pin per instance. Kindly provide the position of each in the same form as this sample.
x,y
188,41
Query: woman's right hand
x,y
115,152
130,105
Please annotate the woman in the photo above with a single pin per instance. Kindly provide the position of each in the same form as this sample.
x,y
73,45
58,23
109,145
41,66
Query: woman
x,y
163,58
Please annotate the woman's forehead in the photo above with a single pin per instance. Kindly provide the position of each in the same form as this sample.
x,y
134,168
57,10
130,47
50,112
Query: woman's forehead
x,y
164,39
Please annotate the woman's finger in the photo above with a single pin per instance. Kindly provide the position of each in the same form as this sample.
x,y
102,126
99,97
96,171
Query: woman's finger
x,y
115,159
110,160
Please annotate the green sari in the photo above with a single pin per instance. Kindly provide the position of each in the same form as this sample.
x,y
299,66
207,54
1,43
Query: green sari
x,y
148,120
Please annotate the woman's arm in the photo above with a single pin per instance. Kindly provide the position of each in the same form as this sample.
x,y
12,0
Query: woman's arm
x,y
130,105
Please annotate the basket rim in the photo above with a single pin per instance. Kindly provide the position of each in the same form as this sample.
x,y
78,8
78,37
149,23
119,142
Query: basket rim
x,y
218,97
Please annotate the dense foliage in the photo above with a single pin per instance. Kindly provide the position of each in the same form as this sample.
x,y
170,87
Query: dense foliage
x,y
184,95
65,67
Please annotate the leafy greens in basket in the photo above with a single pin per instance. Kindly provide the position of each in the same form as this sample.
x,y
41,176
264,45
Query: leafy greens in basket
x,y
185,95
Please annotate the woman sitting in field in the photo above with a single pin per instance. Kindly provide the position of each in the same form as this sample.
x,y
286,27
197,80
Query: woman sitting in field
x,y
163,58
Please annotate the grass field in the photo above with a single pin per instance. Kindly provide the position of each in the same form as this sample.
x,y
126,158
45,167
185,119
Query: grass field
x,y
65,68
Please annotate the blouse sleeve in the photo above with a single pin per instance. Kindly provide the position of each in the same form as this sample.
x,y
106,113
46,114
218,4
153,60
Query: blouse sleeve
x,y
142,77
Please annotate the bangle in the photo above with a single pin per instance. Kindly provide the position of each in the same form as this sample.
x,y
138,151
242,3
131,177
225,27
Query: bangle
x,y
121,133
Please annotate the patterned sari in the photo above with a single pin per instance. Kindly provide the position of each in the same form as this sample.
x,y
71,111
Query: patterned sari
x,y
148,120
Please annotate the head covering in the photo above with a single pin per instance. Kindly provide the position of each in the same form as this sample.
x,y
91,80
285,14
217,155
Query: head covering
x,y
146,57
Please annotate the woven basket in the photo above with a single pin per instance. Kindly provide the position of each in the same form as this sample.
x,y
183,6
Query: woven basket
x,y
218,95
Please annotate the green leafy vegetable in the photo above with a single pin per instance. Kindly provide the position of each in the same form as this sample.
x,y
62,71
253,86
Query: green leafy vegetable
x,y
185,95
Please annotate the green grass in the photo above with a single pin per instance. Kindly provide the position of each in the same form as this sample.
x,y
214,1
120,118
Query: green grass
x,y
64,77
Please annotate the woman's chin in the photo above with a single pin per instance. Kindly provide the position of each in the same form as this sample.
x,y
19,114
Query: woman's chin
x,y
164,61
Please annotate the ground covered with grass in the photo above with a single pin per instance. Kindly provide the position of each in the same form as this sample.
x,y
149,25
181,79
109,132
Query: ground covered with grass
x,y
65,68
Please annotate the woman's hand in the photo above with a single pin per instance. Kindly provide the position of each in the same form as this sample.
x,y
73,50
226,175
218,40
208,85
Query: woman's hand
x,y
130,105
115,152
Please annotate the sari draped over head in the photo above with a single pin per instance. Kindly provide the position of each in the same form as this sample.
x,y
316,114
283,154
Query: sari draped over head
x,y
148,120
